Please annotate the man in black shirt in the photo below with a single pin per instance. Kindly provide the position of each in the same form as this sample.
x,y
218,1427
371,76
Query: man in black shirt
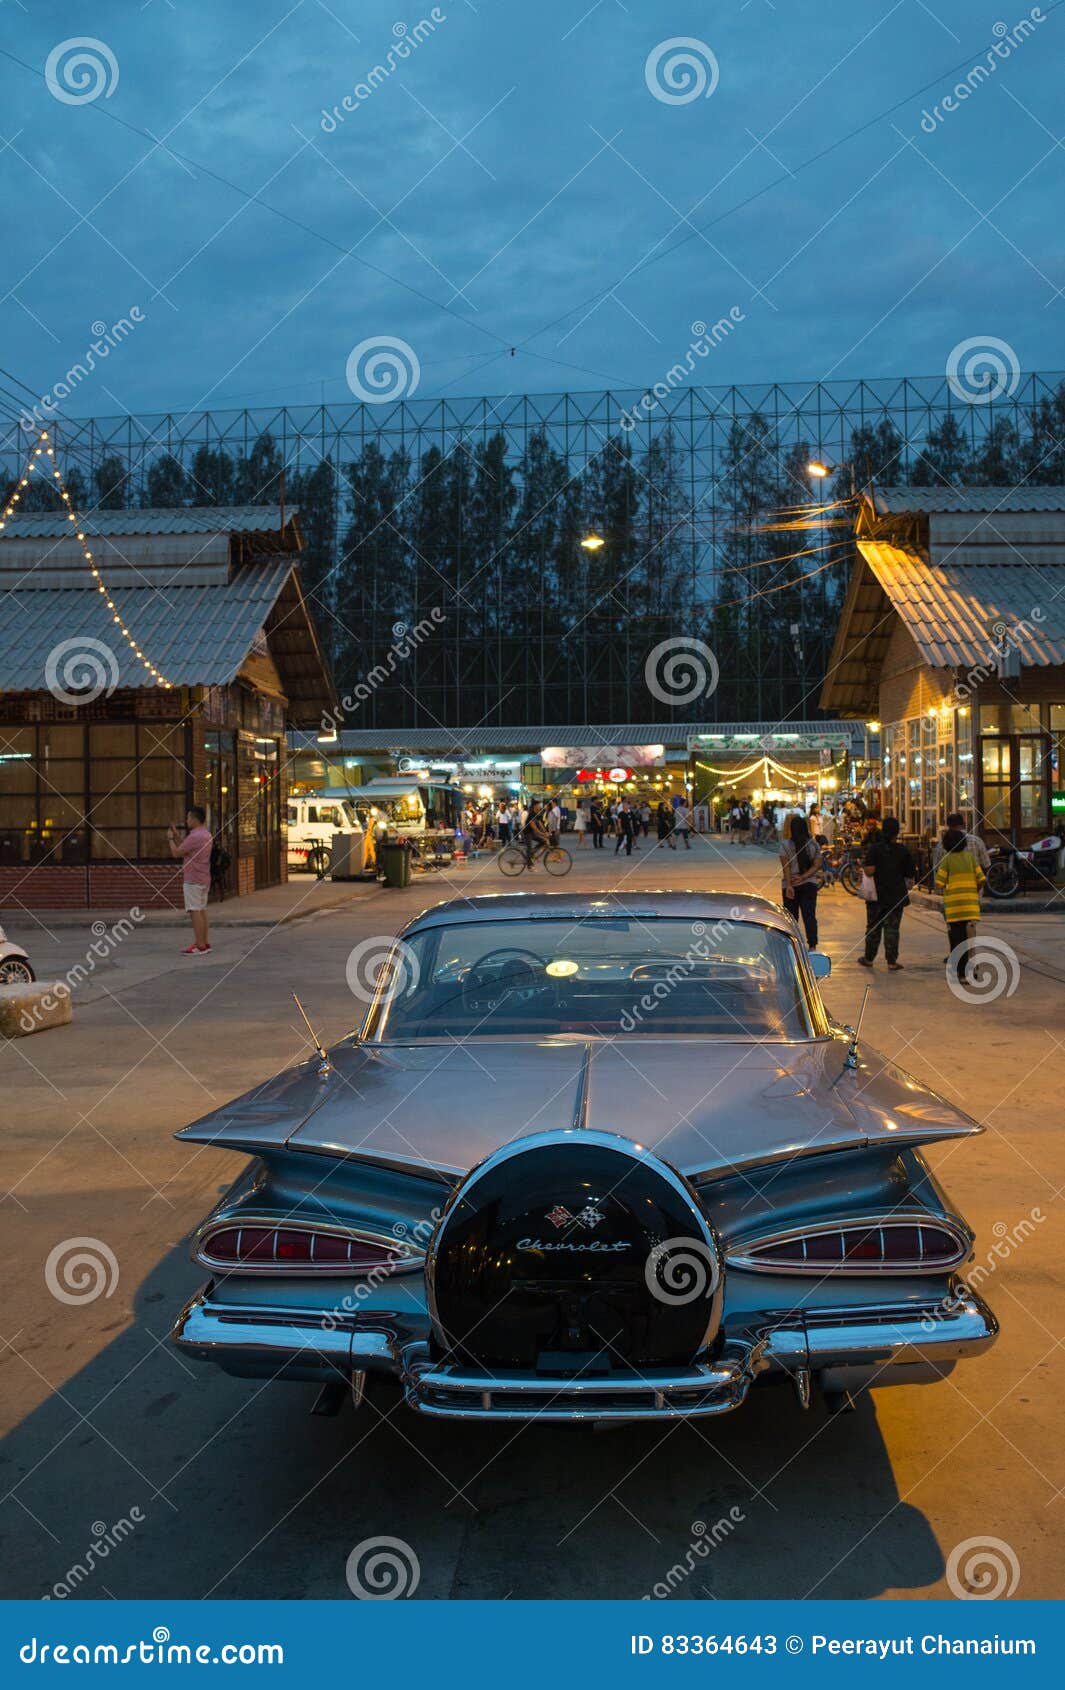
x,y
894,871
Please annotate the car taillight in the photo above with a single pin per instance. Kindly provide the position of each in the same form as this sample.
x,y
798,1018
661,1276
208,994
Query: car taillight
x,y
903,1245
285,1248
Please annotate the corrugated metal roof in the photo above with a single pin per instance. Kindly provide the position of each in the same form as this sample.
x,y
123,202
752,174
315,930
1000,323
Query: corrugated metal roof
x,y
958,605
472,741
198,519
197,636
990,499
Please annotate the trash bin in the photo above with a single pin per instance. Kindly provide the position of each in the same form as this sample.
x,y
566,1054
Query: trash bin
x,y
396,863
348,856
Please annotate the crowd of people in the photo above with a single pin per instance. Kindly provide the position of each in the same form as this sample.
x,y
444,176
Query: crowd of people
x,y
624,821
959,863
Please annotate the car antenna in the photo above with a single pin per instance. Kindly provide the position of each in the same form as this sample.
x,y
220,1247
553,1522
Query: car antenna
x,y
850,1061
325,1066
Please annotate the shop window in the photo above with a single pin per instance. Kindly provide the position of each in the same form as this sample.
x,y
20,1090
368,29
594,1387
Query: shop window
x,y
101,791
1024,719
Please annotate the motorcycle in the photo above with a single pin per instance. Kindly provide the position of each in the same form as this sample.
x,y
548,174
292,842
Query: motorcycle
x,y
15,969
1012,870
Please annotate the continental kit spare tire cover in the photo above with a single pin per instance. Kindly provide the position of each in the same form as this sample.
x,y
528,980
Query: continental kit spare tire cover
x,y
569,1251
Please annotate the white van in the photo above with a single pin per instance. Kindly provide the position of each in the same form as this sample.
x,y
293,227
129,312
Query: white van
x,y
312,821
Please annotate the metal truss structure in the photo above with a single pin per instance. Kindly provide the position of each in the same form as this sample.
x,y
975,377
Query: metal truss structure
x,y
533,628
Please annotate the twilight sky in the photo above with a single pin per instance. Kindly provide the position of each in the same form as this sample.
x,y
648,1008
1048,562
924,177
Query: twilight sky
x,y
521,168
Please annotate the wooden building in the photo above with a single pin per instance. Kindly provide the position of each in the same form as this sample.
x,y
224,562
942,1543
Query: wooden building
x,y
101,748
952,635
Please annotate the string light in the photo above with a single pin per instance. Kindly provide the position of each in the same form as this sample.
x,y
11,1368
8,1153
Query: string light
x,y
45,450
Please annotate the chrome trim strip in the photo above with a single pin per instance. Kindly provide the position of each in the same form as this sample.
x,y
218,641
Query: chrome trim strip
x,y
447,1392
261,1341
583,1098
739,1256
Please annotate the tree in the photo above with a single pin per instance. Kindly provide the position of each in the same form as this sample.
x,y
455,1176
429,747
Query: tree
x,y
314,491
168,483
111,483
945,458
257,478
373,595
212,476
1042,450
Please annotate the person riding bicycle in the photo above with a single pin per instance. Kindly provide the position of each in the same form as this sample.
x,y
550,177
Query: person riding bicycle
x,y
534,834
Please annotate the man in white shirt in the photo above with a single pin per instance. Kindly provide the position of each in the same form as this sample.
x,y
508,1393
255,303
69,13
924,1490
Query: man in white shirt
x,y
973,843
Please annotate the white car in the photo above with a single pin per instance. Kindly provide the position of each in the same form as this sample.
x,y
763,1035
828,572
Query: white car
x,y
15,969
312,821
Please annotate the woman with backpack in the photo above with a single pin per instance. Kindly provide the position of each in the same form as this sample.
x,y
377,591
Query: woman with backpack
x,y
959,877
800,860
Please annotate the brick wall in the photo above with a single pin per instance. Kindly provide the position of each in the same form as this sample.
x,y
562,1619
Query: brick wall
x,y
149,886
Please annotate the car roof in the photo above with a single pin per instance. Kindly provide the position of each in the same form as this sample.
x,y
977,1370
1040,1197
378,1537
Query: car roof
x,y
521,906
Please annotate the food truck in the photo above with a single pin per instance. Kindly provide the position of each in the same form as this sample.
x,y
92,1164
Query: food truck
x,y
403,807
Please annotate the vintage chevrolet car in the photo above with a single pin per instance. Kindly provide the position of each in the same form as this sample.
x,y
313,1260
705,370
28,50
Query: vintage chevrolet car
x,y
590,1157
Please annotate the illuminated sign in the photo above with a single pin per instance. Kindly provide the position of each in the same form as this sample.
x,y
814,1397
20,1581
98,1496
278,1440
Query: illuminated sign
x,y
606,756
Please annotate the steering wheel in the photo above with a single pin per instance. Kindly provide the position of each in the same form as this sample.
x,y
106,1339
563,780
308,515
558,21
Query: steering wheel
x,y
507,972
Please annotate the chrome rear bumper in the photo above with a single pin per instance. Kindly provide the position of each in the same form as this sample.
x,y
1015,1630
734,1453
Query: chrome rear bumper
x,y
842,1349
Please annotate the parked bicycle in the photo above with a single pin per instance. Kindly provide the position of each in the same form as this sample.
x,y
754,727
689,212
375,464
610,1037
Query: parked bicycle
x,y
515,859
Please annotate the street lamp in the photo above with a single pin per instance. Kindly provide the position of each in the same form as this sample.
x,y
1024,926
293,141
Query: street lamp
x,y
592,542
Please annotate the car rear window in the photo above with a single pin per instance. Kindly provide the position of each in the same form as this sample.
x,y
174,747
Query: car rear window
x,y
607,976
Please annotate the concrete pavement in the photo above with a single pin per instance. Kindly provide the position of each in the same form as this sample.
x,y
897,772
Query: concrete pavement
x,y
243,1495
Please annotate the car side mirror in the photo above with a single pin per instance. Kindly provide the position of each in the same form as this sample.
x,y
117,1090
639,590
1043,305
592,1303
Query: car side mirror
x,y
820,965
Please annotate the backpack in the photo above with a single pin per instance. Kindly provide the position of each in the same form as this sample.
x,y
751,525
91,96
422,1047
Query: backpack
x,y
219,863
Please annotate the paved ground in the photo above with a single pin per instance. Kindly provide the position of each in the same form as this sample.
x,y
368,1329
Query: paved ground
x,y
242,1495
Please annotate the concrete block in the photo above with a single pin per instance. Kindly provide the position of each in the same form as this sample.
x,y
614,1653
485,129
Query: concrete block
x,y
32,1009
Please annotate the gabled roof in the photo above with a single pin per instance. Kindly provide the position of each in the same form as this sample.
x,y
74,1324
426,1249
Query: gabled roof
x,y
471,742
965,571
983,499
196,519
196,604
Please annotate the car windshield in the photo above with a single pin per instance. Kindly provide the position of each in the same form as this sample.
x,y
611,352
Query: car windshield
x,y
603,976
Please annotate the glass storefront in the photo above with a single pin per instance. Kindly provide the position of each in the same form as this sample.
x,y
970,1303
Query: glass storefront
x,y
92,792
928,768
931,763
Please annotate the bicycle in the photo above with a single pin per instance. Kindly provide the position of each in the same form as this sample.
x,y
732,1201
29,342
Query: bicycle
x,y
515,859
